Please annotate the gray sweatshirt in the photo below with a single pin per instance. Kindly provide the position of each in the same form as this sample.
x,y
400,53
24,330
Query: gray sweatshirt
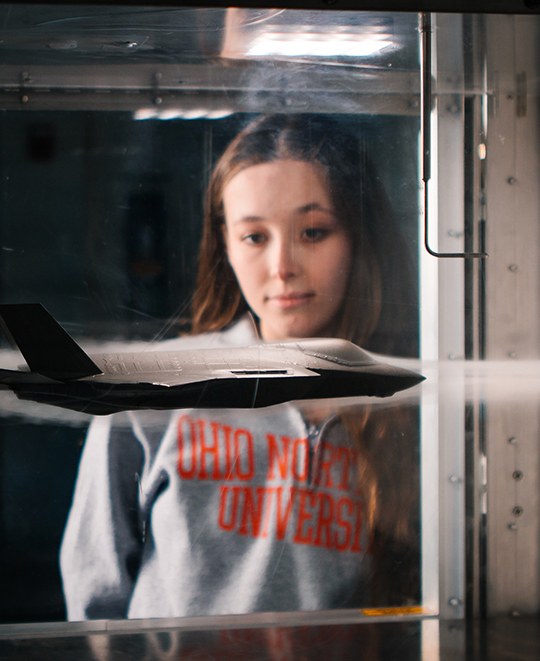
x,y
209,512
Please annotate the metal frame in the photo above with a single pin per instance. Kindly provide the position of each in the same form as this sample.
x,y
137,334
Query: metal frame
x,y
427,104
513,310
205,623
441,6
188,86
41,89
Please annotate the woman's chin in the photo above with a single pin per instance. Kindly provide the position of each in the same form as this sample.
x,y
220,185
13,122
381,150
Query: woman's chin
x,y
291,331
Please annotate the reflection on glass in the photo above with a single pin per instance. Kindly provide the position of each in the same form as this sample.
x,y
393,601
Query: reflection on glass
x,y
310,225
219,512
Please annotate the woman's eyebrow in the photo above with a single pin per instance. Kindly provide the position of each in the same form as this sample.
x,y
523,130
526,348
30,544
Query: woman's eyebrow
x,y
248,219
304,209
313,206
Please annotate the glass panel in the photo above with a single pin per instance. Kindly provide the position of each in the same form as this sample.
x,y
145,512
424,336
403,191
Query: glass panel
x,y
114,126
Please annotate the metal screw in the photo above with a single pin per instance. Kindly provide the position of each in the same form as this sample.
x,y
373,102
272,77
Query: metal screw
x,y
512,526
513,267
24,98
514,613
158,100
512,440
512,181
512,354
455,479
517,475
453,108
518,510
454,601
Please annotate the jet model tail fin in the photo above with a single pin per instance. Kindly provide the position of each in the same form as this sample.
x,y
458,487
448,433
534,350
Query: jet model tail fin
x,y
45,345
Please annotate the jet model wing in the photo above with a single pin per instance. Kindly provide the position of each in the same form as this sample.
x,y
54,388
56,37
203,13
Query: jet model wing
x,y
62,374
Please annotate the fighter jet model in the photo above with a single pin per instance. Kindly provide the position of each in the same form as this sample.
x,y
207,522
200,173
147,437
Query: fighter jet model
x,y
62,374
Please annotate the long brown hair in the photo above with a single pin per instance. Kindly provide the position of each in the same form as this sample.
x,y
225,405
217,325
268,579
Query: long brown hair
x,y
386,440
320,140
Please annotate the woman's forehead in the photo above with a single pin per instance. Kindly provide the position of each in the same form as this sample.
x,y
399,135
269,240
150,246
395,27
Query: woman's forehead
x,y
284,184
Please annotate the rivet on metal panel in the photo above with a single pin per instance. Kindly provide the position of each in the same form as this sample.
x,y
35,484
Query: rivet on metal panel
x,y
517,475
512,526
454,601
512,354
512,440
455,479
512,181
518,510
24,98
513,267
514,613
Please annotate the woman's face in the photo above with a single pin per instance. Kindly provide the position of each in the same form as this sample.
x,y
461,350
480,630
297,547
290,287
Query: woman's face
x,y
291,255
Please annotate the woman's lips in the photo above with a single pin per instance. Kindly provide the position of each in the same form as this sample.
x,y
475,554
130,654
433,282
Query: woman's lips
x,y
287,301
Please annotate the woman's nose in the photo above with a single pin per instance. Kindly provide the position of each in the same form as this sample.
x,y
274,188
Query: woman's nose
x,y
285,260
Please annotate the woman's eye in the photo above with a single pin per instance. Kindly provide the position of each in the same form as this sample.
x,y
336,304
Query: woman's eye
x,y
315,233
255,239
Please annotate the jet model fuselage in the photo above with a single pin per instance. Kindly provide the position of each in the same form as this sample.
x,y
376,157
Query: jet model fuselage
x,y
62,374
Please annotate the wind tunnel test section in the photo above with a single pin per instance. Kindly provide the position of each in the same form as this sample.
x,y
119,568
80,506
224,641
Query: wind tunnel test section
x,y
125,132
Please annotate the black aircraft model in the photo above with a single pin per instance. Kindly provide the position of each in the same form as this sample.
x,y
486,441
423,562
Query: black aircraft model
x,y
62,374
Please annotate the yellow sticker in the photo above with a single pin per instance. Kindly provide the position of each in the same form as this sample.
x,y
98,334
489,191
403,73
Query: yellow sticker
x,y
397,610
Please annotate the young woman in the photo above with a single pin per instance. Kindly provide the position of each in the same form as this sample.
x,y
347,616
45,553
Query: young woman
x,y
226,511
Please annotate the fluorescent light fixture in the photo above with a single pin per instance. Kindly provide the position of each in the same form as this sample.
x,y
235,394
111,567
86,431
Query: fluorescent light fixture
x,y
316,45
193,113
169,114
145,113
219,114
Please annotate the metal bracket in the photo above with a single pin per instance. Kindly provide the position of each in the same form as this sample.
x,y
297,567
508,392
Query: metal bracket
x,y
426,101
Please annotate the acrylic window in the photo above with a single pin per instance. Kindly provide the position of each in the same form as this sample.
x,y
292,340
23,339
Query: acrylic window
x,y
193,179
